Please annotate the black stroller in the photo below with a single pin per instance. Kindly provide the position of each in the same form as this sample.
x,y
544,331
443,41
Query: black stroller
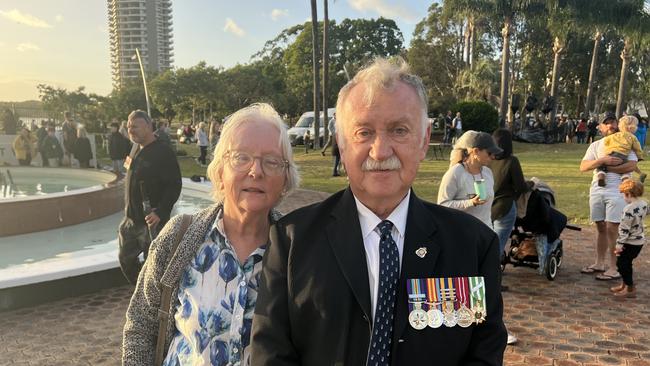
x,y
535,241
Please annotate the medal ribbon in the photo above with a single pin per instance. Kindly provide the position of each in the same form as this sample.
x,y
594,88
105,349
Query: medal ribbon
x,y
477,286
445,291
433,294
462,291
415,292
452,291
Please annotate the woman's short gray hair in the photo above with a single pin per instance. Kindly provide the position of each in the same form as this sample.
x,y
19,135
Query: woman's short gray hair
x,y
382,74
260,112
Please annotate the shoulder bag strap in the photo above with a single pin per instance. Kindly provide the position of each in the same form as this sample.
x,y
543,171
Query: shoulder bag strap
x,y
166,298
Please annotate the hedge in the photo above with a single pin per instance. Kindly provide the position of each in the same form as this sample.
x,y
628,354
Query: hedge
x,y
477,116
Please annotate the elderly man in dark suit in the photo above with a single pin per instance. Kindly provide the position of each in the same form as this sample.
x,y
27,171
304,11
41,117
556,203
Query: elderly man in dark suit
x,y
373,275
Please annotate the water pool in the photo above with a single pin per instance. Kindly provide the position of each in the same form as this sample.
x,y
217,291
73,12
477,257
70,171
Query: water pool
x,y
76,249
24,182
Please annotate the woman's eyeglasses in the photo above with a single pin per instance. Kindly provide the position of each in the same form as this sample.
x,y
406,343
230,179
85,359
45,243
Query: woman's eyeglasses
x,y
242,162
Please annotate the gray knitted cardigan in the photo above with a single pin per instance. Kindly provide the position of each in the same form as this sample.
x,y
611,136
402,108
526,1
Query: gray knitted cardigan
x,y
141,327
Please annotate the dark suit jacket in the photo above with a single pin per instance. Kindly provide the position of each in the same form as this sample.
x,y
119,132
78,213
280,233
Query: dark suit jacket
x,y
313,305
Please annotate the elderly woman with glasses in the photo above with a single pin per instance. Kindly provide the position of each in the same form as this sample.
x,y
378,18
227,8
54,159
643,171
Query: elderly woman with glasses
x,y
214,271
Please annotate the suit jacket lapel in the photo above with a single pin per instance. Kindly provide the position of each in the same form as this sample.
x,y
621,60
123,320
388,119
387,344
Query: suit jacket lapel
x,y
420,227
344,235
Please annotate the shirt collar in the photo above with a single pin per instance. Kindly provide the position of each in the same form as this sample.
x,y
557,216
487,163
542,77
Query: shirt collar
x,y
218,226
369,221
218,223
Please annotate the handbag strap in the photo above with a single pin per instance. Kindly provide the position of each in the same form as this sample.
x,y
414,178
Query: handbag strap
x,y
166,298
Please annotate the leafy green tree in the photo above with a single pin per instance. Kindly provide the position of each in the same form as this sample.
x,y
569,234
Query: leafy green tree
x,y
9,121
432,56
58,100
165,94
353,42
198,86
127,98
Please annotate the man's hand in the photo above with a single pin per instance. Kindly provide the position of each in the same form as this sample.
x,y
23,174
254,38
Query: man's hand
x,y
152,220
611,160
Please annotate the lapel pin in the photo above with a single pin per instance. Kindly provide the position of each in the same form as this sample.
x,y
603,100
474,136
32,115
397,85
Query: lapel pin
x,y
421,252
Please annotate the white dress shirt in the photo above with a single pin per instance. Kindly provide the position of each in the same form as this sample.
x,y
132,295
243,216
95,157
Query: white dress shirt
x,y
371,236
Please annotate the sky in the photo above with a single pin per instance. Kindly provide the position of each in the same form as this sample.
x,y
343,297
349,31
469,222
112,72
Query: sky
x,y
64,43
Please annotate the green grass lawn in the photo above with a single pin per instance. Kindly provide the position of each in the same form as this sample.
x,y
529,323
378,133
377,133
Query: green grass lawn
x,y
556,164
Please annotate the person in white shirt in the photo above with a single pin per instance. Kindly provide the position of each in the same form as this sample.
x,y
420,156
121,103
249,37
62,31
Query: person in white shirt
x,y
468,167
203,142
605,203
457,123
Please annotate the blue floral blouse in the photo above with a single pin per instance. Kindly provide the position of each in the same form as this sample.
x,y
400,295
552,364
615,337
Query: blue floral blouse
x,y
217,296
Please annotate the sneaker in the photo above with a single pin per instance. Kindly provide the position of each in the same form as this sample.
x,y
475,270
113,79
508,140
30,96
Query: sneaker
x,y
627,292
618,288
642,177
511,339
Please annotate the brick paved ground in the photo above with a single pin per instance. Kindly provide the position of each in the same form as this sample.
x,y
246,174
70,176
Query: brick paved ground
x,y
571,321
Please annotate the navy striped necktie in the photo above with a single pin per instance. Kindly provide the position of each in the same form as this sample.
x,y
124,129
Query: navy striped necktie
x,y
382,329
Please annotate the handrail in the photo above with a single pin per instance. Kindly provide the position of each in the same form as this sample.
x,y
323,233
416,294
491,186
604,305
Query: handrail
x,y
5,187
12,185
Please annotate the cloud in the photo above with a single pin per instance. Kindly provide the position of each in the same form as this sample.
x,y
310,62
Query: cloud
x,y
279,13
233,28
384,9
25,19
27,47
58,18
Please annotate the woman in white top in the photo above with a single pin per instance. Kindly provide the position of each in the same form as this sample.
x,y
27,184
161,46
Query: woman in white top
x,y
468,165
203,142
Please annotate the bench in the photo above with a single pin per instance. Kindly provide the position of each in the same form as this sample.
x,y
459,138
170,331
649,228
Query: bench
x,y
440,150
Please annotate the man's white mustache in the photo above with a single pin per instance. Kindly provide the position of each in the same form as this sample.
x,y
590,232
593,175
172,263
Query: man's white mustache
x,y
371,164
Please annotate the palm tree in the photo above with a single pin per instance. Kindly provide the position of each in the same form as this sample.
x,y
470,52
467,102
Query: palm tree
x,y
635,33
597,18
561,19
477,81
505,12
598,36
622,84
315,68
326,22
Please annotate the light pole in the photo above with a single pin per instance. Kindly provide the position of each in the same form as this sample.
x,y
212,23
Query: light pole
x,y
144,80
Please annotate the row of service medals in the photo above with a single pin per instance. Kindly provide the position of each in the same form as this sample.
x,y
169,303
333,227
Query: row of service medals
x,y
447,300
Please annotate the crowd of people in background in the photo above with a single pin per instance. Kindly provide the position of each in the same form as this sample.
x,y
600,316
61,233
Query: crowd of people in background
x,y
68,143
581,130
71,147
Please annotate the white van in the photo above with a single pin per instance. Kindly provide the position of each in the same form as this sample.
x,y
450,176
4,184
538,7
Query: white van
x,y
306,122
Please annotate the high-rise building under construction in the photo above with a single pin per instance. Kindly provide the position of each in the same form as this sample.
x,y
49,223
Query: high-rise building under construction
x,y
142,24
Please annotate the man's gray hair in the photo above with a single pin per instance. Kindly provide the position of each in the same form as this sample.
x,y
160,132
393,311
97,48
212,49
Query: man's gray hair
x,y
140,114
261,112
383,74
